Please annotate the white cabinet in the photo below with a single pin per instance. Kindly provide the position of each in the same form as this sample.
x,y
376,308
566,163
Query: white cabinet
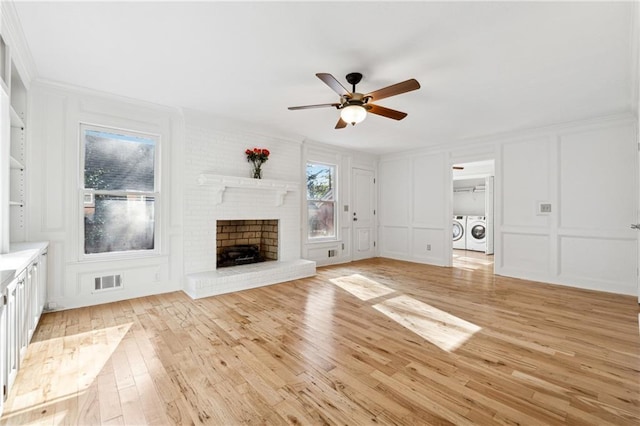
x,y
11,342
13,330
22,299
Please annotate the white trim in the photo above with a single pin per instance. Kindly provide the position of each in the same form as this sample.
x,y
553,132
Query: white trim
x,y
19,49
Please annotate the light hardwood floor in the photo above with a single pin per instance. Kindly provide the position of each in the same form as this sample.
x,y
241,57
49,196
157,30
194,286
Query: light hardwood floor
x,y
370,342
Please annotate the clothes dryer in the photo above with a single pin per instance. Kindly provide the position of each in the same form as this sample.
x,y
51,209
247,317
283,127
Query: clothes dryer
x,y
460,232
477,233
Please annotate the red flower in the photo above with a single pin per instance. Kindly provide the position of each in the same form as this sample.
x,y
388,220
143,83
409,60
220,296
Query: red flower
x,y
257,155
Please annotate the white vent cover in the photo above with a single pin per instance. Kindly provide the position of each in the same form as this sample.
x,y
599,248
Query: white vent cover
x,y
544,208
108,282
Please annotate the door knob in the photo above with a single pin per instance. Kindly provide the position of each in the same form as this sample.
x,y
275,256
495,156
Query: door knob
x,y
635,226
355,219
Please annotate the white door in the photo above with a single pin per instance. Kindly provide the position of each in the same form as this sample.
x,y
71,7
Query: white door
x,y
363,214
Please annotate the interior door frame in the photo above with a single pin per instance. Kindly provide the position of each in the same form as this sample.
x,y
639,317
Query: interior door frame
x,y
496,202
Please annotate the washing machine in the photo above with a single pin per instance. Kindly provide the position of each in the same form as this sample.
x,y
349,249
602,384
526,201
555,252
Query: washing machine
x,y
477,233
460,232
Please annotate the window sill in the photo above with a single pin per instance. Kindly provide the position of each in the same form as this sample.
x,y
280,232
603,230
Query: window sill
x,y
119,256
324,241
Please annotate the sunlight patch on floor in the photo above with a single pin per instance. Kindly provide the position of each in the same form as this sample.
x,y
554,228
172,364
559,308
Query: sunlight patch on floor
x,y
77,361
444,330
362,287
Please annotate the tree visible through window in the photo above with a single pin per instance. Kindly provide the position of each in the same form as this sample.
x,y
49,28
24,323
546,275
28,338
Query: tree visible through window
x,y
321,200
119,190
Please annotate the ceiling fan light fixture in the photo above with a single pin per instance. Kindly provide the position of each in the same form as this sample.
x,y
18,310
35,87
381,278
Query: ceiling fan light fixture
x,y
353,114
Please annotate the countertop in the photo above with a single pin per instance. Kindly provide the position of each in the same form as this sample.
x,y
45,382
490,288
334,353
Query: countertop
x,y
19,257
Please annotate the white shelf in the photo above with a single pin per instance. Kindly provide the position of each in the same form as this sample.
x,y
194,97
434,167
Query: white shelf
x,y
15,164
220,183
16,203
16,121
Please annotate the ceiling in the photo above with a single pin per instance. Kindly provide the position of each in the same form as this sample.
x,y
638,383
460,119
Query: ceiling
x,y
484,67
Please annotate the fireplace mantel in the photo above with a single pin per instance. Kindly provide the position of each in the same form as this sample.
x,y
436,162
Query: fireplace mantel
x,y
220,183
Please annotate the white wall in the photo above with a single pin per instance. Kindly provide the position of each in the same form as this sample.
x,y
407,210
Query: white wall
x,y
469,203
53,203
345,160
587,171
414,224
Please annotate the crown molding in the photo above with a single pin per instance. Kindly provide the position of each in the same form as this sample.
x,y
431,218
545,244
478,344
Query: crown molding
x,y
14,37
485,143
52,85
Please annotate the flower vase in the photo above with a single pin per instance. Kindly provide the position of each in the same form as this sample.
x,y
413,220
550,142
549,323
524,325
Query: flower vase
x,y
256,171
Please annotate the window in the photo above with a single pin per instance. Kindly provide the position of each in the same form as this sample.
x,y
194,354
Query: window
x,y
321,212
119,190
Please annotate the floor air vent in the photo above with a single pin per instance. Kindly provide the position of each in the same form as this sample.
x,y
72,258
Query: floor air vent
x,y
107,282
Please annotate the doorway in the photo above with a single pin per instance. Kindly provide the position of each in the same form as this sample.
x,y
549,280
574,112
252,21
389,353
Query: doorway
x,y
473,215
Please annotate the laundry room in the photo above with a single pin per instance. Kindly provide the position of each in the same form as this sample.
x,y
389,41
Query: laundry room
x,y
473,200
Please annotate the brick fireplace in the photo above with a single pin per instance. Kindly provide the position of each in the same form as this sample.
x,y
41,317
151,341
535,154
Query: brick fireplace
x,y
246,235
232,207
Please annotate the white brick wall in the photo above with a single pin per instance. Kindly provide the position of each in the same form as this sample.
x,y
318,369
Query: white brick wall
x,y
218,149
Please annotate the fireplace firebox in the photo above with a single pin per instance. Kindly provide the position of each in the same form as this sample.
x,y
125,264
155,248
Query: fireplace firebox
x,y
240,242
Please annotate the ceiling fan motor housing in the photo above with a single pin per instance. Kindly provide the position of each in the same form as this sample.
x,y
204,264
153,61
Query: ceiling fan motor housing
x,y
355,99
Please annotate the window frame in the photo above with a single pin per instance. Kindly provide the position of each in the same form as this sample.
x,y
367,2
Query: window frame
x,y
336,227
91,193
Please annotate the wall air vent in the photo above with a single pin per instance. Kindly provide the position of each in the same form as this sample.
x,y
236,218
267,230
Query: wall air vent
x,y
108,282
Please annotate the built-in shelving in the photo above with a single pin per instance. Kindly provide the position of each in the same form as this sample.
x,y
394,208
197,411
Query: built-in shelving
x,y
15,164
16,120
17,157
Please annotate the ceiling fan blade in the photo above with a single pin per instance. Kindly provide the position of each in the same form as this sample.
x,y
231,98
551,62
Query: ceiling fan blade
x,y
386,112
341,124
331,81
395,89
313,106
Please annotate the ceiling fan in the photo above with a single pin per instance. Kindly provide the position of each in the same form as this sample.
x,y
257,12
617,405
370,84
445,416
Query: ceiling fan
x,y
354,106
